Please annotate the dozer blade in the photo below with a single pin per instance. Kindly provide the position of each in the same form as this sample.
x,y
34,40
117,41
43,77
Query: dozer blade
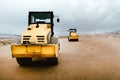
x,y
31,51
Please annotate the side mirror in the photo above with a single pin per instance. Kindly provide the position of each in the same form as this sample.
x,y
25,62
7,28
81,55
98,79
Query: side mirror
x,y
58,20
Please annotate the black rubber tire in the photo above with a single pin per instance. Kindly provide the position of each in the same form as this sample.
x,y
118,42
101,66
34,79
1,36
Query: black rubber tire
x,y
72,40
52,61
24,61
68,39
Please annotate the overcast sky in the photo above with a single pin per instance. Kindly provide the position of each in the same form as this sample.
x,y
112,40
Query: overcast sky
x,y
88,16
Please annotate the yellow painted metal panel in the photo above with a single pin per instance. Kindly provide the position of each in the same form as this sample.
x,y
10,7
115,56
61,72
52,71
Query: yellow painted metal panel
x,y
34,50
17,49
73,37
56,49
48,49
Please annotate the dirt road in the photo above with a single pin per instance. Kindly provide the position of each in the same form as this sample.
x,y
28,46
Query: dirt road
x,y
88,59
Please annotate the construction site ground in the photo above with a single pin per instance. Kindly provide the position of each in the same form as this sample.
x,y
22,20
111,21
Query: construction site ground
x,y
95,57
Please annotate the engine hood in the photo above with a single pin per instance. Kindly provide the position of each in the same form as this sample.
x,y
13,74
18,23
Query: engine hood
x,y
42,29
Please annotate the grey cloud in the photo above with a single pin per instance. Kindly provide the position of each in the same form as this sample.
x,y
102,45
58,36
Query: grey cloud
x,y
86,15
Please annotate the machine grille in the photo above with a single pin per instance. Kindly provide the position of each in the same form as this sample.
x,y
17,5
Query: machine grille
x,y
26,38
40,38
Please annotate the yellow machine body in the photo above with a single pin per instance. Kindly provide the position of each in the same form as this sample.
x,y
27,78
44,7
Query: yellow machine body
x,y
36,43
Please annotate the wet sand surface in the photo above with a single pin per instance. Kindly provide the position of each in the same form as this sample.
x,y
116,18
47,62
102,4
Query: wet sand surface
x,y
91,58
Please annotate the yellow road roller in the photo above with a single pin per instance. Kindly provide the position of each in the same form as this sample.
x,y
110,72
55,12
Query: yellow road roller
x,y
73,36
38,40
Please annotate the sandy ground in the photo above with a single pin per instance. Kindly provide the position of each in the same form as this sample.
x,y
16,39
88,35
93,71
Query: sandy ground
x,y
91,58
7,41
